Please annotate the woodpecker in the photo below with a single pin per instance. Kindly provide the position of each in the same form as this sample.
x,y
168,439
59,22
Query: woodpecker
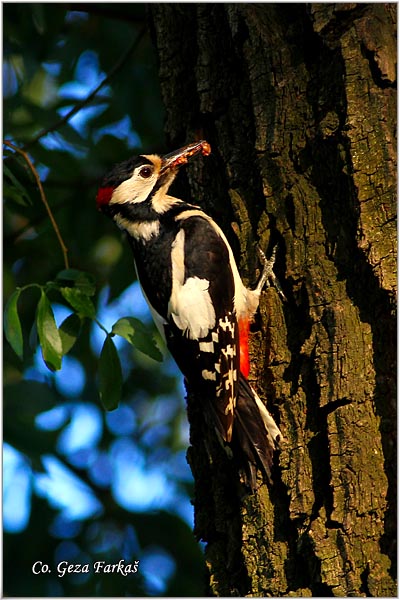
x,y
198,301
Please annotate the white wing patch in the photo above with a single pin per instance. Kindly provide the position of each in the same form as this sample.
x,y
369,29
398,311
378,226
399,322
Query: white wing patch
x,y
242,295
191,308
190,305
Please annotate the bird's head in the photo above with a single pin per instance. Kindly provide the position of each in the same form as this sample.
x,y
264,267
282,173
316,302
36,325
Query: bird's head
x,y
145,179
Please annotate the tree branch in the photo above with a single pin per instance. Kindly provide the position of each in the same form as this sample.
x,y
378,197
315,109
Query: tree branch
x,y
25,156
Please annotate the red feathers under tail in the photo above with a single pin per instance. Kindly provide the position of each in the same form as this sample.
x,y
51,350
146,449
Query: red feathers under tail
x,y
244,328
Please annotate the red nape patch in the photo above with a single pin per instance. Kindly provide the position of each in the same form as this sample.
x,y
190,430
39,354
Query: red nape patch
x,y
103,196
244,328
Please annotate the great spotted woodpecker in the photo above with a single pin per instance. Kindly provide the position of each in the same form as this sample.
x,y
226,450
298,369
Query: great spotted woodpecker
x,y
192,285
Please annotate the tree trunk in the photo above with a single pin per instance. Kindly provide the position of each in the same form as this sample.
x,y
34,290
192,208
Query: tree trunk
x,y
298,103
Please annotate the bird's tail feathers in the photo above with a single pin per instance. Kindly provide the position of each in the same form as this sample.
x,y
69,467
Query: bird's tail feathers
x,y
256,434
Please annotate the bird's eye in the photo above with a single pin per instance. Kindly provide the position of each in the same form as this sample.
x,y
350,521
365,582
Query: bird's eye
x,y
145,172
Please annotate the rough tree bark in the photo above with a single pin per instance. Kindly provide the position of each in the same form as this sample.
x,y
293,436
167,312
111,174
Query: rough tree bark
x,y
299,105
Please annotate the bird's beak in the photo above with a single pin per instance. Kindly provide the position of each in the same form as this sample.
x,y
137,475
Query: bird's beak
x,y
181,156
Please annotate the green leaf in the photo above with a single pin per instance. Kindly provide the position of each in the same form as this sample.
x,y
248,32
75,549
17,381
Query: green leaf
x,y
78,279
79,301
33,337
49,336
69,331
12,324
110,375
137,334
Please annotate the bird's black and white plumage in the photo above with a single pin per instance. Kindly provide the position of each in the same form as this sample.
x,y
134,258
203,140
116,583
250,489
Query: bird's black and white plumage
x,y
192,285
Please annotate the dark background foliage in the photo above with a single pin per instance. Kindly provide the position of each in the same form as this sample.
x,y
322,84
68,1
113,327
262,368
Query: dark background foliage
x,y
82,484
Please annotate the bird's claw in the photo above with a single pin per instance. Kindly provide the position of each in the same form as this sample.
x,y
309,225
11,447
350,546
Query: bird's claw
x,y
268,276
